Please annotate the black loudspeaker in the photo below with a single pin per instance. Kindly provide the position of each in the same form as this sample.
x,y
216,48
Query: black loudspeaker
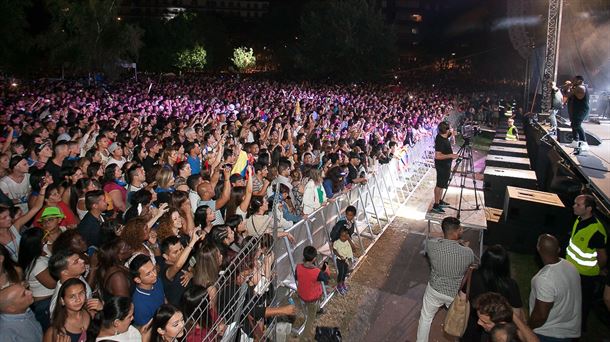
x,y
496,179
564,136
531,207
514,237
518,151
508,162
509,143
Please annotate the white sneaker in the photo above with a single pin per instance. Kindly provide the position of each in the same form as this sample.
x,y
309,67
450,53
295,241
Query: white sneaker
x,y
574,144
584,146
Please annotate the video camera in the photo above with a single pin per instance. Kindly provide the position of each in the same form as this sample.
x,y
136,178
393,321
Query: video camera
x,y
469,129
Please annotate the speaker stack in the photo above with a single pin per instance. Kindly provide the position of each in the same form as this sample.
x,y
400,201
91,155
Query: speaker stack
x,y
526,214
508,166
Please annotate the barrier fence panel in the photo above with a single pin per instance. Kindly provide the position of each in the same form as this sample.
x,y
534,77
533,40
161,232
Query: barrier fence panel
x,y
257,276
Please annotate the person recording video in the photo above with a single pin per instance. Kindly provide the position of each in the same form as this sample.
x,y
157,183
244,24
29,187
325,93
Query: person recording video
x,y
443,156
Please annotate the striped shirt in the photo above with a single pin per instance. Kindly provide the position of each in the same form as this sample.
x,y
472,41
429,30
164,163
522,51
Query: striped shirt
x,y
449,262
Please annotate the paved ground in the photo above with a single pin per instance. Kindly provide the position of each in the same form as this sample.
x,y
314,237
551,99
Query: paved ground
x,y
386,291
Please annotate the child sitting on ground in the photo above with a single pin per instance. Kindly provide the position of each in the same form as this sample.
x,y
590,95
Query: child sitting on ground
x,y
343,251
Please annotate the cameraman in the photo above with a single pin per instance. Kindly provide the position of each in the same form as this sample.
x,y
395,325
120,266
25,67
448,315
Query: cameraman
x,y
443,156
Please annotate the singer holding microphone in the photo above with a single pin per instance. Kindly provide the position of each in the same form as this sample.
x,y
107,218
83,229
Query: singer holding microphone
x,y
443,156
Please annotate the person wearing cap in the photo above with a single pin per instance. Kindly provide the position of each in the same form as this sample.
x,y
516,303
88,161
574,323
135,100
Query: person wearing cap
x,y
49,222
352,176
52,198
16,185
116,155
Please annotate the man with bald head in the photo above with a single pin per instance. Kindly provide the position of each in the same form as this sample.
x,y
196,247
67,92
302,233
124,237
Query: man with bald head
x,y
17,321
555,298
205,190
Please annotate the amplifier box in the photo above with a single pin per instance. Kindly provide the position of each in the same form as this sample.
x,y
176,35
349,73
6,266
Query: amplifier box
x,y
496,179
520,152
508,162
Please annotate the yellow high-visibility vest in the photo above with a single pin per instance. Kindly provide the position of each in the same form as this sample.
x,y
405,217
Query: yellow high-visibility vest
x,y
578,251
510,133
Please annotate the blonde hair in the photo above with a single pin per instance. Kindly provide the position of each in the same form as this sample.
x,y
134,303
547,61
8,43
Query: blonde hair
x,y
164,177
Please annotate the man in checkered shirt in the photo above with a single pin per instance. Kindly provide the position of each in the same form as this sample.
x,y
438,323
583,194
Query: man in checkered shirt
x,y
449,260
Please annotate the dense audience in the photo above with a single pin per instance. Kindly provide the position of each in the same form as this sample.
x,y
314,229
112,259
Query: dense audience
x,y
124,205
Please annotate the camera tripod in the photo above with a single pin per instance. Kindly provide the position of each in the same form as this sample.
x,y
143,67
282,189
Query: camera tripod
x,y
465,166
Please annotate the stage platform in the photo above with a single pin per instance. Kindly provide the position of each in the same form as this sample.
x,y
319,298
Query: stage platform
x,y
594,165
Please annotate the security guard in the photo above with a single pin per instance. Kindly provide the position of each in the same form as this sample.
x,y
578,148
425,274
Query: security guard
x,y
587,250
512,133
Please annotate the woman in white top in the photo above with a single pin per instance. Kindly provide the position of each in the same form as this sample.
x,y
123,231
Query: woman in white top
x,y
313,195
10,230
114,322
34,260
260,222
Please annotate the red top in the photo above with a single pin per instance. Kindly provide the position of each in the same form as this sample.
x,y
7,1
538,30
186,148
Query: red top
x,y
308,286
69,219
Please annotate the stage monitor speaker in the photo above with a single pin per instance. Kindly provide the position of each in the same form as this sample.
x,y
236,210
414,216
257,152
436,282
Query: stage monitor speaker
x,y
508,162
531,207
515,151
564,136
496,179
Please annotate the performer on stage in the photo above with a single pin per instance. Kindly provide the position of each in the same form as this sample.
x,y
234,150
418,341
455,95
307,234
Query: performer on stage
x,y
578,109
556,105
443,155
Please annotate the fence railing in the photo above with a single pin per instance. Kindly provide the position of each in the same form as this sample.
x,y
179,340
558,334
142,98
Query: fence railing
x,y
250,298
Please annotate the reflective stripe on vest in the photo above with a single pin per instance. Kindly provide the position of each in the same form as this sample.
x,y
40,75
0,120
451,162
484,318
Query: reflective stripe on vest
x,y
578,251
581,258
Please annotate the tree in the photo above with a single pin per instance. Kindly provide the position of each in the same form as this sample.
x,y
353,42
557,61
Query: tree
x,y
15,42
88,36
243,58
192,59
345,39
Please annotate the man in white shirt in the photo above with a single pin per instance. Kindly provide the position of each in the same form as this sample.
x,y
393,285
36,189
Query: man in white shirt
x,y
555,298
16,185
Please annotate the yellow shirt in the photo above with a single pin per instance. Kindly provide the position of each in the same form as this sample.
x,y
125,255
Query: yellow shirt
x,y
343,248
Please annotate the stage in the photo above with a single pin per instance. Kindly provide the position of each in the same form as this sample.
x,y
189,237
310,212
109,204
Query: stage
x,y
594,165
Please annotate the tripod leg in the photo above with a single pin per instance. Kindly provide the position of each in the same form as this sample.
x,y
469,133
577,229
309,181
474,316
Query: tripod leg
x,y
474,181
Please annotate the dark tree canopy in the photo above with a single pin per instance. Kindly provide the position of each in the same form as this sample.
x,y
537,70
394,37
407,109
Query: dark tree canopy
x,y
345,39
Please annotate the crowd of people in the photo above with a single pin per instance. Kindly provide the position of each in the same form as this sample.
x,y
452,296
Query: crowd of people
x,y
123,205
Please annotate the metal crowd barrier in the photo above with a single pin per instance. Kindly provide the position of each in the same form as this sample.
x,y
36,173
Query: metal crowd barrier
x,y
231,312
